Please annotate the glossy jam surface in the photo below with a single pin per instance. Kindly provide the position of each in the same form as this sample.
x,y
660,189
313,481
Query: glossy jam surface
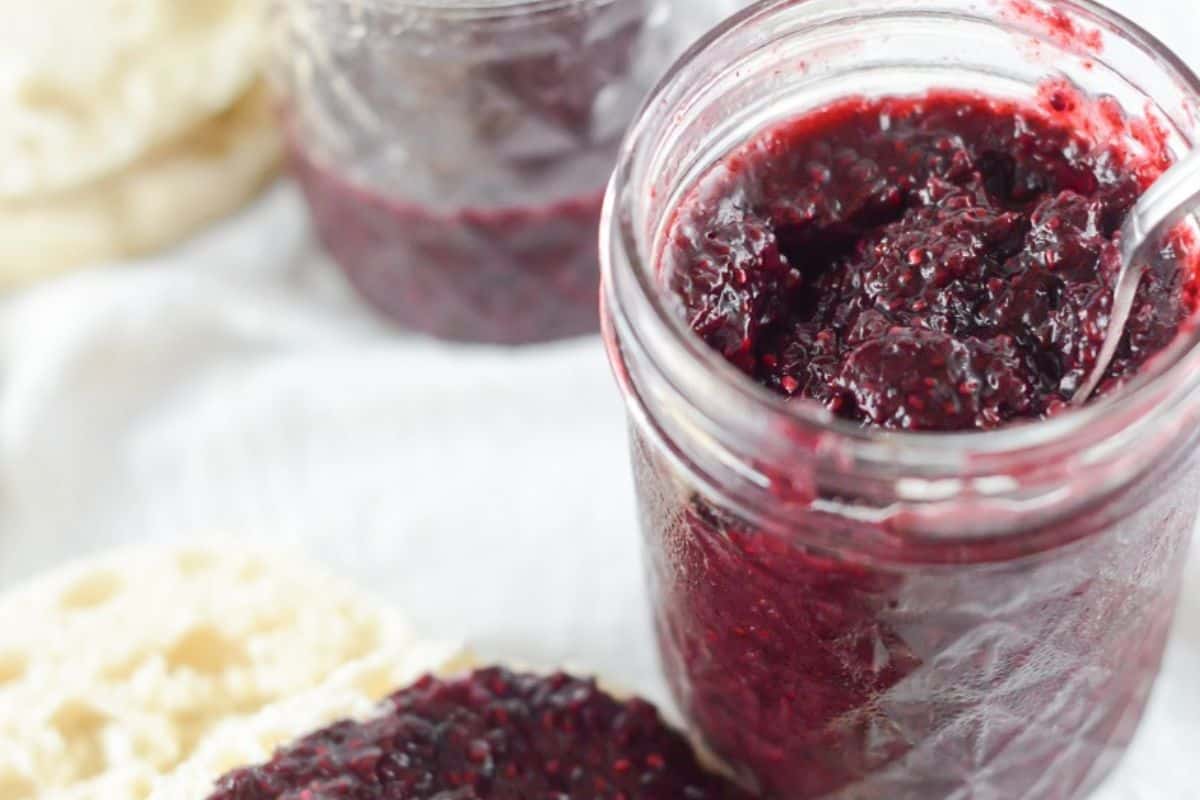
x,y
941,263
493,735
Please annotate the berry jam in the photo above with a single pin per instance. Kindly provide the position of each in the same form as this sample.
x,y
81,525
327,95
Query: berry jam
x,y
493,735
931,264
935,264
505,276
454,156
820,677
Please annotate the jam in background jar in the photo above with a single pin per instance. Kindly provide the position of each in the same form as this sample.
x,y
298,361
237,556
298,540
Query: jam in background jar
x,y
858,262
454,155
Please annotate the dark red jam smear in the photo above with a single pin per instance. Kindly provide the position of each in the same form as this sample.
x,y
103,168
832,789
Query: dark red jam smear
x,y
493,735
1058,25
935,263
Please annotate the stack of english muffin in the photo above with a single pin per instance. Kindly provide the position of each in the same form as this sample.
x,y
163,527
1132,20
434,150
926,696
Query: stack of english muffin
x,y
126,125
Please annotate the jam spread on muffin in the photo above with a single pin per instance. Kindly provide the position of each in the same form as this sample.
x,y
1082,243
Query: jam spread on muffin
x,y
492,735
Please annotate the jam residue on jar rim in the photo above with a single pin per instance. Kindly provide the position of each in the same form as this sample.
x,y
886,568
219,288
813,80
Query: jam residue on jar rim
x,y
1058,25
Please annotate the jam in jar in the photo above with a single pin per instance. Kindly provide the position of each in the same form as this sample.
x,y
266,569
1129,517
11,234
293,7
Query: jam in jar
x,y
848,300
454,154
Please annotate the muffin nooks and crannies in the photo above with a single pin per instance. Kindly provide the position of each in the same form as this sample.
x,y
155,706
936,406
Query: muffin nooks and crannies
x,y
492,735
118,671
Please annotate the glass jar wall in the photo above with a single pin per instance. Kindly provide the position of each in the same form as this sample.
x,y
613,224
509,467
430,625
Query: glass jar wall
x,y
454,154
845,612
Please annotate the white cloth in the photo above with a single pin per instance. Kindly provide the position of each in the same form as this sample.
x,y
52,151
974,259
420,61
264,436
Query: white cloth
x,y
235,385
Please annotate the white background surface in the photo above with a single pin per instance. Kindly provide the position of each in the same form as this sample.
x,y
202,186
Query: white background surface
x,y
235,386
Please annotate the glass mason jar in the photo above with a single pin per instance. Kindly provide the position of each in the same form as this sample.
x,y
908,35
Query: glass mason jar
x,y
863,615
454,152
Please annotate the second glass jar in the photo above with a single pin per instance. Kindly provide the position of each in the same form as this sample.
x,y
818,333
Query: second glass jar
x,y
454,154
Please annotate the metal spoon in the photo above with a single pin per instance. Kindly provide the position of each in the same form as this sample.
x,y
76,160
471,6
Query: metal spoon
x,y
1172,197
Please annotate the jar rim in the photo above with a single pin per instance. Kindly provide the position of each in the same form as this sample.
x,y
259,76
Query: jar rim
x,y
495,9
1180,360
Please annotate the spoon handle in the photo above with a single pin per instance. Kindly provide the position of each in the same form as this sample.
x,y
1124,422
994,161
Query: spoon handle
x,y
1172,197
